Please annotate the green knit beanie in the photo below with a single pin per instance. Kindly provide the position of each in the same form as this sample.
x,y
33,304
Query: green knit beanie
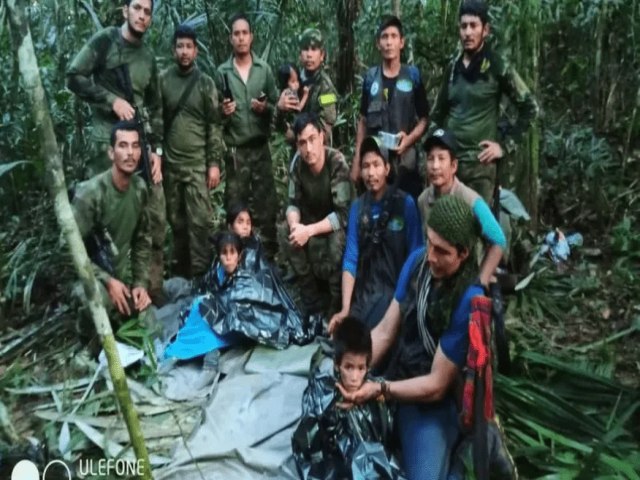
x,y
453,220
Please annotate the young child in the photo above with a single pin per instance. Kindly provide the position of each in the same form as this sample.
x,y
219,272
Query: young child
x,y
199,334
332,441
239,220
289,82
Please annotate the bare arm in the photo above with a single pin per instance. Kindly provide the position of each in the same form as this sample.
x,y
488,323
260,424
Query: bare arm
x,y
426,388
361,131
489,264
412,137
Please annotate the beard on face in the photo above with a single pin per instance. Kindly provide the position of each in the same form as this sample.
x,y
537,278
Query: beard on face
x,y
133,31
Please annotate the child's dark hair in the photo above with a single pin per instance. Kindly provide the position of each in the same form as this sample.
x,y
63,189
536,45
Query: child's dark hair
x,y
184,31
225,238
284,72
351,336
236,209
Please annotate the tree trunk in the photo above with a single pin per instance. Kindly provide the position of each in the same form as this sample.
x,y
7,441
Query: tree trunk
x,y
396,8
523,169
347,14
30,74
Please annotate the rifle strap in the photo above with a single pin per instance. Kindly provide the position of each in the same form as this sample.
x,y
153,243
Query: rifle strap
x,y
183,99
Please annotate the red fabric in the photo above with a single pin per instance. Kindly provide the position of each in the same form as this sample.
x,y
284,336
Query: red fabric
x,y
479,363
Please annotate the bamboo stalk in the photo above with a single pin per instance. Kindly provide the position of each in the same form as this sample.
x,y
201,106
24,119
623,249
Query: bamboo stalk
x,y
28,66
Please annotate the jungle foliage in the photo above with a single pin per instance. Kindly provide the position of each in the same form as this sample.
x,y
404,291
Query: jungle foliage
x,y
571,408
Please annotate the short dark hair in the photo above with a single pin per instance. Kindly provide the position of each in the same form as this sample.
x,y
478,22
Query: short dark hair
x,y
184,31
128,2
389,21
351,336
304,119
125,125
239,16
225,238
284,72
235,210
476,8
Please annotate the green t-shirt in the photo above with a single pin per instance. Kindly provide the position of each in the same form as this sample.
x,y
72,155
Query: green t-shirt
x,y
322,195
99,204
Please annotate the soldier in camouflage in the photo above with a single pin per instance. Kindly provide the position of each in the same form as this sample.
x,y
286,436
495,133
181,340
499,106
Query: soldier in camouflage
x,y
93,76
468,104
193,151
319,197
323,96
249,95
113,203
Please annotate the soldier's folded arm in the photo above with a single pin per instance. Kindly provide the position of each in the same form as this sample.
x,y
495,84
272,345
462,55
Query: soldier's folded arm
x,y
80,75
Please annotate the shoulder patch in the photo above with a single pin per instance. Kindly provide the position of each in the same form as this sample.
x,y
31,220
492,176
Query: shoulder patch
x,y
375,87
396,224
404,85
327,99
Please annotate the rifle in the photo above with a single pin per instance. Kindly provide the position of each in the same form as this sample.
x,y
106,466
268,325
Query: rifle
x,y
101,249
124,83
99,244
226,92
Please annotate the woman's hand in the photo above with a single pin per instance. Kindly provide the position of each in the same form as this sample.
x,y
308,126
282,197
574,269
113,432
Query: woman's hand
x,y
368,391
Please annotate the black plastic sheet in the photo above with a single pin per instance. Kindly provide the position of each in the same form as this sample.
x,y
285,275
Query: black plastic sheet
x,y
334,443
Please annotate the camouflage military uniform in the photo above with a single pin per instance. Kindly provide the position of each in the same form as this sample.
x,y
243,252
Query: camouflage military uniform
x,y
99,206
248,164
93,77
323,96
468,105
192,145
327,195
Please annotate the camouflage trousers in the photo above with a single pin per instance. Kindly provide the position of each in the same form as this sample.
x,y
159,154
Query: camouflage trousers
x,y
249,179
479,177
317,267
190,216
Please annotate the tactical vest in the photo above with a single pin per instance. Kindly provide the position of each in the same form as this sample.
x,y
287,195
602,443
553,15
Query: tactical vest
x,y
382,249
397,115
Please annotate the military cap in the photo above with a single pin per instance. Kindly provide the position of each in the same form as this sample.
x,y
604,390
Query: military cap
x,y
311,37
373,144
442,138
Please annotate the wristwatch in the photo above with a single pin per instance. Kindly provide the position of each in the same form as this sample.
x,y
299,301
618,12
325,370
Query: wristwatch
x,y
159,151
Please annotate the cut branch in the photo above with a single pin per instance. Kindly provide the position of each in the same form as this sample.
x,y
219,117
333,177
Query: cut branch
x,y
32,84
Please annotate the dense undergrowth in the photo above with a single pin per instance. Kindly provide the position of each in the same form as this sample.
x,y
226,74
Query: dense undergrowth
x,y
571,403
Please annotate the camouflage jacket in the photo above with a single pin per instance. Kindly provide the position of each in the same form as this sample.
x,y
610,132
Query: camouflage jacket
x,y
92,76
323,96
468,103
